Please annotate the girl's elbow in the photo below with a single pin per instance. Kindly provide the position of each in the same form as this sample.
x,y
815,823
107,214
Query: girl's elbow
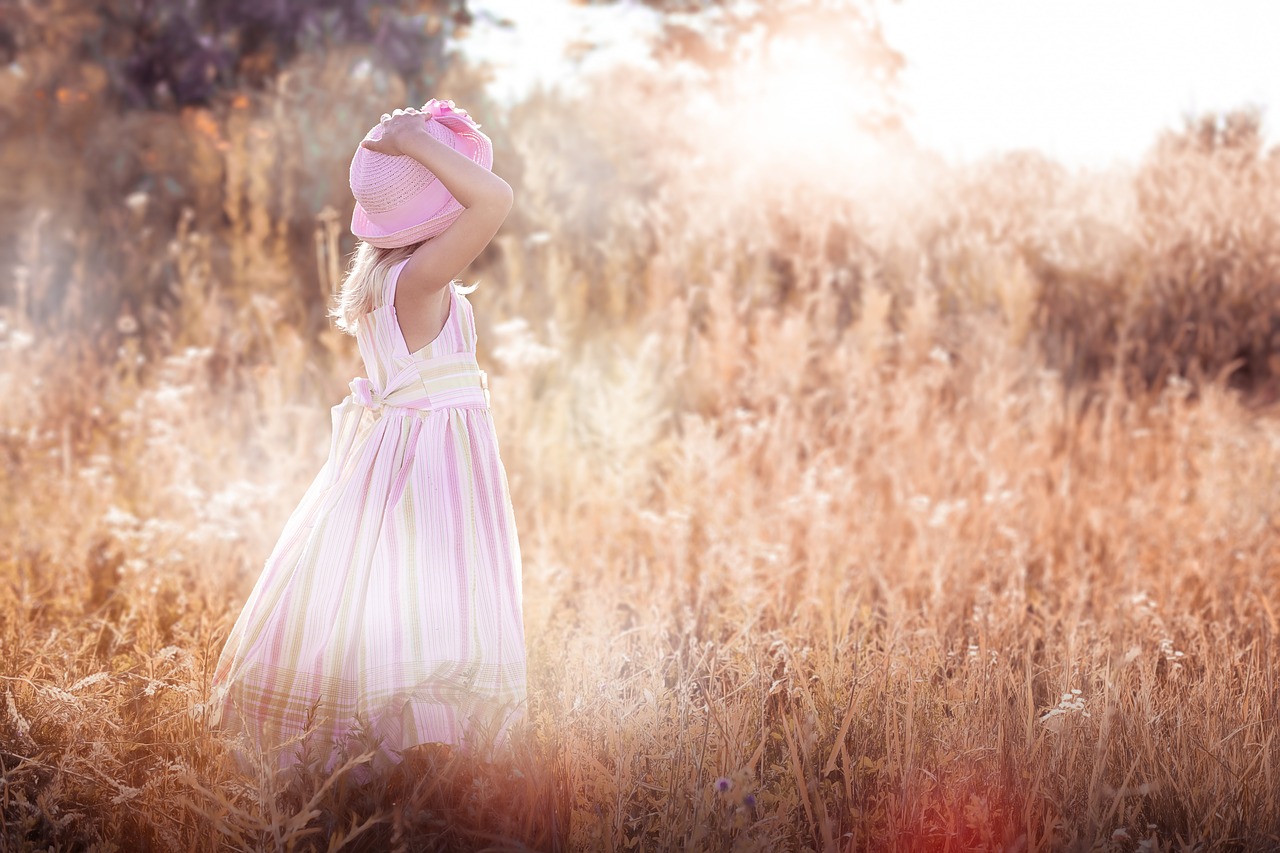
x,y
496,200
503,196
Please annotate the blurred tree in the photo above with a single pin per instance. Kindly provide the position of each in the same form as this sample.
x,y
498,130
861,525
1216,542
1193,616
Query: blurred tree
x,y
715,35
1239,130
163,53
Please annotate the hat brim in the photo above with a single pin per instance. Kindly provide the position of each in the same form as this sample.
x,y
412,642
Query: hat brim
x,y
467,140
367,230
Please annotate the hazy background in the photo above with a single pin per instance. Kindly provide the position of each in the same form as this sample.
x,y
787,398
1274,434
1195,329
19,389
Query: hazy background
x,y
887,393
1088,83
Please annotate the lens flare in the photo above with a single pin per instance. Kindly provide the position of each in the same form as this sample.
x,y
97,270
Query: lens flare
x,y
798,105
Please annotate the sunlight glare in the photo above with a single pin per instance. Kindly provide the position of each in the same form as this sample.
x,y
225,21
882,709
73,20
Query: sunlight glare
x,y
798,103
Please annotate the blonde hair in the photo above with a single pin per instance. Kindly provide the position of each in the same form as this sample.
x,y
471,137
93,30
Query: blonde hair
x,y
365,278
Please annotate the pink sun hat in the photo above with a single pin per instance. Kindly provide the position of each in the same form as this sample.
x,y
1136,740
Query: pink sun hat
x,y
399,201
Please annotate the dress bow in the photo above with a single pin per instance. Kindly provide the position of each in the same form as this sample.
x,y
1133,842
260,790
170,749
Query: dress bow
x,y
363,393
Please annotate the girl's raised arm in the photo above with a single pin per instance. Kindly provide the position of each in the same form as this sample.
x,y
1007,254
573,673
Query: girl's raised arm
x,y
485,197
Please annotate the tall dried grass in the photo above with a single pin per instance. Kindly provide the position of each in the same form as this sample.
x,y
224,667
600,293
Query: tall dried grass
x,y
875,516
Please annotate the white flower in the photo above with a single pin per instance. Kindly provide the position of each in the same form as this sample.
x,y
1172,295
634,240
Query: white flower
x,y
1069,703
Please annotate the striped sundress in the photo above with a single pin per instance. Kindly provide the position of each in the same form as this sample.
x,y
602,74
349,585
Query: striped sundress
x,y
392,601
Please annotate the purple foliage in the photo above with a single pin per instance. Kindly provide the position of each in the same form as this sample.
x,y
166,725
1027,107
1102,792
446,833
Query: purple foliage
x,y
161,53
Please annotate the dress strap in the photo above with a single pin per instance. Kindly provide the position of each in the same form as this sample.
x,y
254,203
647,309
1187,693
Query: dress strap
x,y
467,324
393,278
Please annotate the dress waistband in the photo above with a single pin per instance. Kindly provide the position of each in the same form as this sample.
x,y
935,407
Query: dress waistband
x,y
422,386
418,388
418,412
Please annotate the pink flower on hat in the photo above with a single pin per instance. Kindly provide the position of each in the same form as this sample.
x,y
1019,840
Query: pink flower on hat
x,y
440,109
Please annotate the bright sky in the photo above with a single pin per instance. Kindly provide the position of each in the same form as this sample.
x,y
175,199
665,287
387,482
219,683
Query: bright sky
x,y
1086,81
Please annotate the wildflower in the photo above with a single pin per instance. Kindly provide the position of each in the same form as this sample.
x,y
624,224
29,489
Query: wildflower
x,y
126,793
723,784
117,518
137,202
749,801
519,346
20,340
938,517
1171,654
1070,702
362,70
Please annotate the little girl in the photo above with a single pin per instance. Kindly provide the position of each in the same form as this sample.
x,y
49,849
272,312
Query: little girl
x,y
391,603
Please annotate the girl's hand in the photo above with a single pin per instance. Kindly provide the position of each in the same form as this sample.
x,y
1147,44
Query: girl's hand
x,y
398,128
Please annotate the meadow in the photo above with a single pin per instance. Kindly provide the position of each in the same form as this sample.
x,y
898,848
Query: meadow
x,y
893,505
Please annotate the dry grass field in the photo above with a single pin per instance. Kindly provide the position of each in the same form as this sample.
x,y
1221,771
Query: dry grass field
x,y
891,506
